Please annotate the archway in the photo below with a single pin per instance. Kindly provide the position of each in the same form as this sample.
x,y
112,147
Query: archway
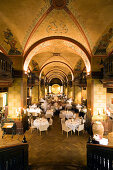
x,y
69,42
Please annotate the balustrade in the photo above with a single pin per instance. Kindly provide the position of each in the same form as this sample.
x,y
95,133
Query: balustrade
x,y
99,157
14,157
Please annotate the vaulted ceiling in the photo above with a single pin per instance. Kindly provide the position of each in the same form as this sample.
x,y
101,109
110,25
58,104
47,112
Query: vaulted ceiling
x,y
23,23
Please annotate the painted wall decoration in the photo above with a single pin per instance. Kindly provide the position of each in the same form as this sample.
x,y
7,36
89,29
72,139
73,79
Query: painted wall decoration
x,y
78,69
35,66
57,27
59,3
78,66
10,40
34,23
100,49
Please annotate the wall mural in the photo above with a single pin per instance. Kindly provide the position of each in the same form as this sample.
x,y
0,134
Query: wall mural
x,y
35,66
78,69
34,22
57,27
100,49
10,40
78,66
59,2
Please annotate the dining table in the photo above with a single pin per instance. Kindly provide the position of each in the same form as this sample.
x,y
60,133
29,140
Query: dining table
x,y
40,121
72,123
50,112
67,113
34,111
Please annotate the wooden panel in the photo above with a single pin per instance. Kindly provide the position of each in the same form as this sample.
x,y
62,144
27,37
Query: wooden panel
x,y
14,157
99,157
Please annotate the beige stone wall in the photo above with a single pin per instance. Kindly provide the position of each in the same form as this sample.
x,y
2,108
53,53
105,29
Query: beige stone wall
x,y
24,92
99,103
89,93
46,89
77,94
69,92
35,94
42,91
65,90
17,96
84,94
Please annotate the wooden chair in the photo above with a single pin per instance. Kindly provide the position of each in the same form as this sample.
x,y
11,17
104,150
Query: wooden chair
x,y
32,127
50,121
63,120
43,128
80,128
66,129
48,115
61,115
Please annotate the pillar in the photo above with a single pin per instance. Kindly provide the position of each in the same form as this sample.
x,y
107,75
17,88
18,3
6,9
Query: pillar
x,y
42,88
35,94
17,96
69,90
77,94
96,99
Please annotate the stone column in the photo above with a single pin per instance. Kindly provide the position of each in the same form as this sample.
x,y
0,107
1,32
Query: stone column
x,y
89,98
73,91
17,96
35,94
17,93
99,99
69,90
96,99
77,94
42,88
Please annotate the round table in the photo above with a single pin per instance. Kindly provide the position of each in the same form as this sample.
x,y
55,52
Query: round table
x,y
67,114
72,123
40,121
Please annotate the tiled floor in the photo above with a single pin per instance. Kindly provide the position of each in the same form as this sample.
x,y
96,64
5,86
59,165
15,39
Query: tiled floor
x,y
53,150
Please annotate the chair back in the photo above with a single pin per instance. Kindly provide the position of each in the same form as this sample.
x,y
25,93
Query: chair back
x,y
81,127
43,127
50,121
84,120
48,115
63,120
61,115
65,128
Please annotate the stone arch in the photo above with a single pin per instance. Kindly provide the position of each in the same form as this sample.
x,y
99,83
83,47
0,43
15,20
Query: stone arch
x,y
69,42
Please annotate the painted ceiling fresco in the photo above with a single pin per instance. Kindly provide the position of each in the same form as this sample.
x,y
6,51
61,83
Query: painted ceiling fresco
x,y
89,24
88,16
10,40
104,42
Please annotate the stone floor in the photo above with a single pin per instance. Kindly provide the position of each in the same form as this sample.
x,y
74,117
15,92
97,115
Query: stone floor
x,y
53,150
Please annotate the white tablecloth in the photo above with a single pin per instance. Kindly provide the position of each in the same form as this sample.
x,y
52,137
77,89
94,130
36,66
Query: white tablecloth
x,y
72,124
68,114
34,111
40,121
49,112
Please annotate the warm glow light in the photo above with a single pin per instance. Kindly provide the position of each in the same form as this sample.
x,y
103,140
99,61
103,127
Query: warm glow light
x,y
56,88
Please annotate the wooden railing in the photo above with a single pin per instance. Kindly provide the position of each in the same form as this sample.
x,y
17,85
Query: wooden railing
x,y
14,157
99,157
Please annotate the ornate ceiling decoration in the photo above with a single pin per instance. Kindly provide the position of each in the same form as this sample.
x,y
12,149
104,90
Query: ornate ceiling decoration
x,y
59,4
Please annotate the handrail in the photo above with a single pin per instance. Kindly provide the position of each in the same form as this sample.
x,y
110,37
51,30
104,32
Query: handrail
x,y
99,157
14,157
